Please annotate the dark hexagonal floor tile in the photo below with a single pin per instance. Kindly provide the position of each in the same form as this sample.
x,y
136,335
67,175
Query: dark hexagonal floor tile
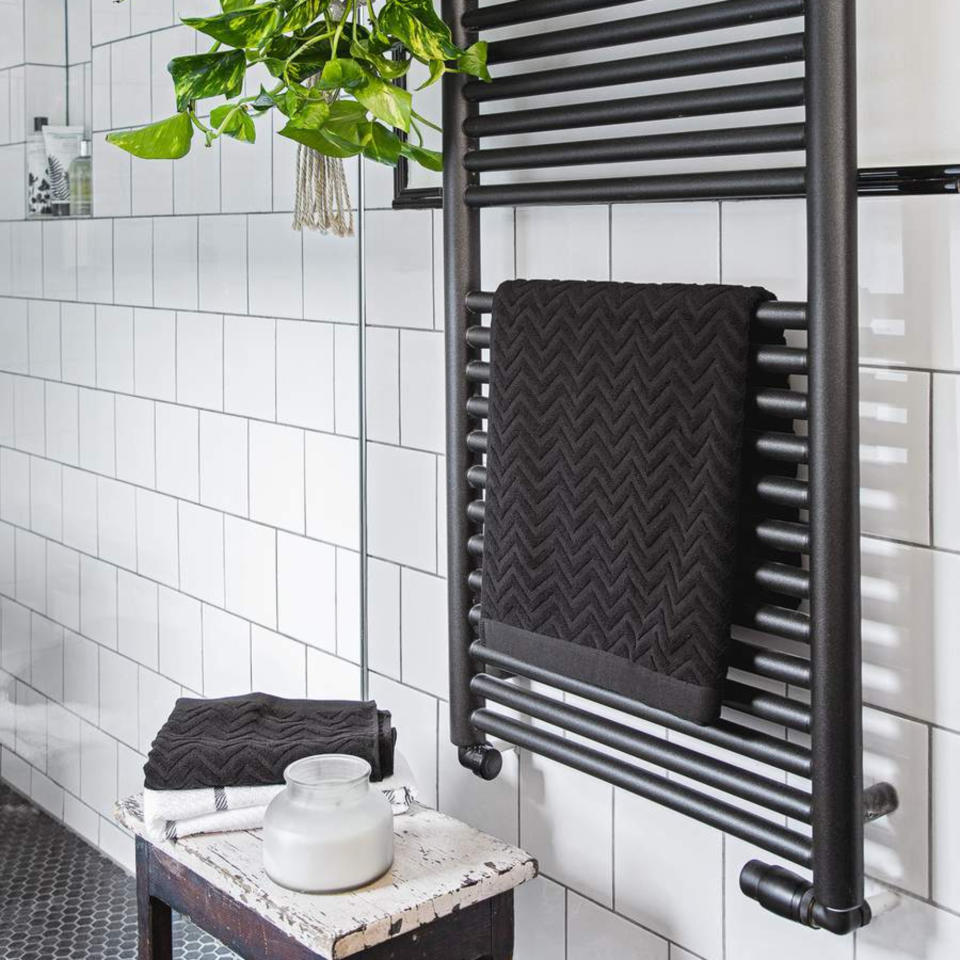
x,y
61,898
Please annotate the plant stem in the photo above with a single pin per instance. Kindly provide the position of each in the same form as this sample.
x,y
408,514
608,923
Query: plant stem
x,y
226,120
296,53
208,134
347,10
424,120
299,51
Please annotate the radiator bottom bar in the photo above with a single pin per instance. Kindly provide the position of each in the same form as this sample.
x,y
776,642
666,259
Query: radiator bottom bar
x,y
738,782
747,826
730,736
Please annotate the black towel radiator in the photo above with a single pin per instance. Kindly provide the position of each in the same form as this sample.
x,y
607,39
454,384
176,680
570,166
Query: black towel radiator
x,y
820,693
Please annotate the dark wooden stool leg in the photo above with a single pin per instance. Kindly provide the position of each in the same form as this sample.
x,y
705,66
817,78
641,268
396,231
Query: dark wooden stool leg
x,y
154,922
501,927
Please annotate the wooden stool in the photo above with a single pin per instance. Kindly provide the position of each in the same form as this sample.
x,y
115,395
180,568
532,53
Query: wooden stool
x,y
448,896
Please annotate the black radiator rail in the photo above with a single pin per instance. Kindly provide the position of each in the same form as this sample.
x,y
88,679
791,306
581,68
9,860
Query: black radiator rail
x,y
802,580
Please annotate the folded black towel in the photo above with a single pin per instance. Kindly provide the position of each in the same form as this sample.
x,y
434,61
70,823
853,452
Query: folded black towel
x,y
614,469
250,740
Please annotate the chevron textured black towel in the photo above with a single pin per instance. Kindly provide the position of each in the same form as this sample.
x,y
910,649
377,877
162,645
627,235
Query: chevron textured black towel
x,y
614,467
249,740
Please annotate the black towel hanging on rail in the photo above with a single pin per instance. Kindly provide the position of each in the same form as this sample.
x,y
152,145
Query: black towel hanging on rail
x,y
616,437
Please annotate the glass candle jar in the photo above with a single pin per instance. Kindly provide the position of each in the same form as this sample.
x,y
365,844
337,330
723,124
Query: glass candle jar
x,y
327,830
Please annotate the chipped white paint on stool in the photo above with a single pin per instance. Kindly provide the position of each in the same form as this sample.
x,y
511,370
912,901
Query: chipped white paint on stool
x,y
440,865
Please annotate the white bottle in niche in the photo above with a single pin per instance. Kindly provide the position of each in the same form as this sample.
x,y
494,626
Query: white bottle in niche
x,y
81,182
38,175
63,147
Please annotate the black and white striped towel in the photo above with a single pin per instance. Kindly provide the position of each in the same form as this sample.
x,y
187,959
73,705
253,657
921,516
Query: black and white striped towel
x,y
173,814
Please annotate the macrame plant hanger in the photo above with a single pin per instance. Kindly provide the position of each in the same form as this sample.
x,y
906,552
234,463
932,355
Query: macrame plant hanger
x,y
323,196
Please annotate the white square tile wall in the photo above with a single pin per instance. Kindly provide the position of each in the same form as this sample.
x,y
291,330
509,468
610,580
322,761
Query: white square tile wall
x,y
590,929
196,179
646,834
200,360
179,478
151,407
306,374
307,590
226,653
223,264
277,476
224,483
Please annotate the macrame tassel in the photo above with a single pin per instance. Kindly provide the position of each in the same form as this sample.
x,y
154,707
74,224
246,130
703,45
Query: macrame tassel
x,y
323,197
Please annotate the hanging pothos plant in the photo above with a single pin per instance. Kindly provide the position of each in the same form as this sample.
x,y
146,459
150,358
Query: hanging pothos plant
x,y
334,77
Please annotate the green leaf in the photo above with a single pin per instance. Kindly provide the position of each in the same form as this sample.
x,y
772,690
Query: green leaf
x,y
437,69
322,142
287,102
376,42
345,112
431,159
302,14
417,25
228,5
318,28
474,60
207,75
165,140
340,74
281,47
264,101
341,136
311,116
344,128
386,102
426,13
244,28
382,145
387,67
239,124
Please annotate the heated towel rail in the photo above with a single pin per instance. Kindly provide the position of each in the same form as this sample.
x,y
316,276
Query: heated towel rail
x,y
810,736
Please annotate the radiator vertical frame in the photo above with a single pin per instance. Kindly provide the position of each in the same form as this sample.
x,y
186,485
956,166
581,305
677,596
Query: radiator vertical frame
x,y
832,296
461,225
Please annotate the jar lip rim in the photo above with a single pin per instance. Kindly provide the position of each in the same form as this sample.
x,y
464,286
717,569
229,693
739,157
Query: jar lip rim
x,y
328,770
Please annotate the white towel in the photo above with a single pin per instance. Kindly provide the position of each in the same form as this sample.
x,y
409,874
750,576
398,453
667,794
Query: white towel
x,y
172,814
